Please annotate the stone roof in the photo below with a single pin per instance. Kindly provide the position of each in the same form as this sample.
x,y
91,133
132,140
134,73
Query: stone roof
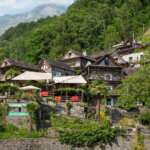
x,y
120,59
58,64
20,64
110,57
82,56
101,54
130,71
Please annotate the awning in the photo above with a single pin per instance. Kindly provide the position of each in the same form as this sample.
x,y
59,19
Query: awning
x,y
38,76
29,88
70,79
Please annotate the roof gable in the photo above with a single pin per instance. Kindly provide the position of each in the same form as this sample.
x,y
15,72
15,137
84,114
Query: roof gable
x,y
56,64
128,43
7,62
75,54
107,61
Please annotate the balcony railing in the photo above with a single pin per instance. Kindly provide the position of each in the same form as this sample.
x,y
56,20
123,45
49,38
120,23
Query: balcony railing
x,y
112,78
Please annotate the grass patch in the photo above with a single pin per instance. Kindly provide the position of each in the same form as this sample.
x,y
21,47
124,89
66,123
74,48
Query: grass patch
x,y
12,132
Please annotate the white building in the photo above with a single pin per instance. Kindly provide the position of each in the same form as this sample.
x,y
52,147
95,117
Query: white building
x,y
133,57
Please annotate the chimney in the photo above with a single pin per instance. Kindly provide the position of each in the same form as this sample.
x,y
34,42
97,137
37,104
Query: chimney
x,y
84,53
133,41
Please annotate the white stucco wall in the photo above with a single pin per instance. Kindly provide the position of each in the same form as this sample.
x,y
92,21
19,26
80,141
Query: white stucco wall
x,y
135,57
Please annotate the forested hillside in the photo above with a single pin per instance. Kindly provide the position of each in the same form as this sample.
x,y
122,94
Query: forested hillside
x,y
88,24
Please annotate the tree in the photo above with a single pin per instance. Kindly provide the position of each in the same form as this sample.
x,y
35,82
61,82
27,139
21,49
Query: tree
x,y
31,108
98,88
6,87
135,89
68,106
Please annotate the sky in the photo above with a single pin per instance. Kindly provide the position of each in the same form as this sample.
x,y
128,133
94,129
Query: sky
x,y
22,6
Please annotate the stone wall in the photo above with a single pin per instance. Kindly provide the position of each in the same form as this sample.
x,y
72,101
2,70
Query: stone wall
x,y
117,113
76,111
18,121
53,144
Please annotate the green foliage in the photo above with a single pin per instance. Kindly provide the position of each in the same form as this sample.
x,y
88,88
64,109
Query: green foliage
x,y
4,109
84,105
10,132
51,99
63,122
98,87
139,142
135,89
68,107
88,24
7,87
32,107
11,74
36,95
89,135
144,118
27,96
73,90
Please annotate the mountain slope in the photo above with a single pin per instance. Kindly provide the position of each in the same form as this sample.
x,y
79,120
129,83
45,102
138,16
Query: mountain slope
x,y
42,11
94,25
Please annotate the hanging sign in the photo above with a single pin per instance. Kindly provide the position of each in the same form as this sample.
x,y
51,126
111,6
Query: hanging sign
x,y
18,114
17,105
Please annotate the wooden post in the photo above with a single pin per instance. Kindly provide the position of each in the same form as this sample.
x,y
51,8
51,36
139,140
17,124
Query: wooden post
x,y
66,95
82,96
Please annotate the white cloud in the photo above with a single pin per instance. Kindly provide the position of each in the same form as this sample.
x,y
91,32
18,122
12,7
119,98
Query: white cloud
x,y
21,6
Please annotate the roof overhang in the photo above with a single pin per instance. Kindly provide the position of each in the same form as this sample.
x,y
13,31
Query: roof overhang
x,y
70,80
33,76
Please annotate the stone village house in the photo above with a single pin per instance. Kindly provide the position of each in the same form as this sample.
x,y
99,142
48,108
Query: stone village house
x,y
77,60
107,69
16,65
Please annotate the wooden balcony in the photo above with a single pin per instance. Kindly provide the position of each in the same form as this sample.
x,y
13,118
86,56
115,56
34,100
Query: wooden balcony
x,y
98,76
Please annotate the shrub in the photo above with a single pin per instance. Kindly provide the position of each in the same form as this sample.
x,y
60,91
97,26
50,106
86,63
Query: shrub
x,y
144,118
139,142
84,105
68,107
88,135
51,99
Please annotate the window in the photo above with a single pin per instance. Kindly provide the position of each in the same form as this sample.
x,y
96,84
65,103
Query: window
x,y
108,102
44,67
130,59
6,63
58,74
108,77
70,55
19,109
111,101
116,59
94,72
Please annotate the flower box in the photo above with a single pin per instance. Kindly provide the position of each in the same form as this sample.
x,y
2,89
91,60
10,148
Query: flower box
x,y
58,98
44,94
74,98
